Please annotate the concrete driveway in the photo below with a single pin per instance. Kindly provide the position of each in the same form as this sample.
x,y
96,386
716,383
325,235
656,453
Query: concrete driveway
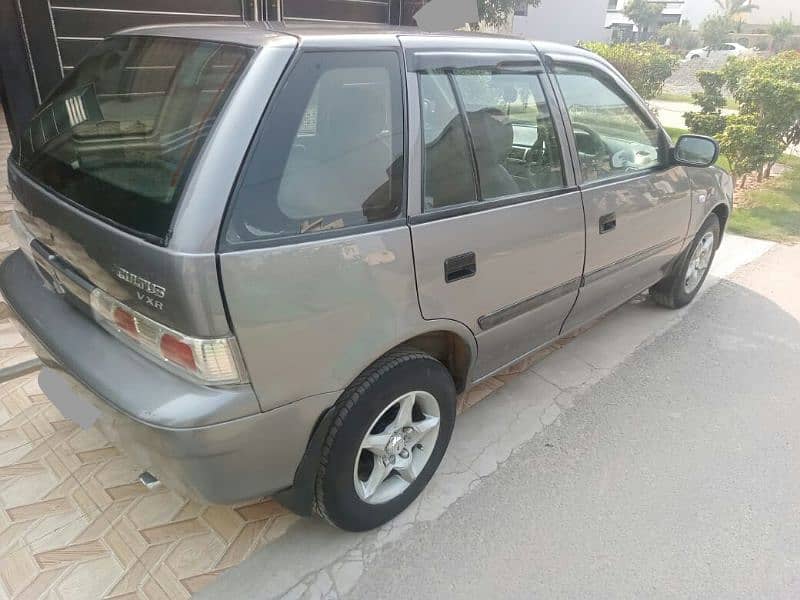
x,y
678,476
654,455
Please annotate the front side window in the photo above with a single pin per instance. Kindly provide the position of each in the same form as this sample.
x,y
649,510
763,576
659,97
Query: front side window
x,y
612,135
120,134
330,153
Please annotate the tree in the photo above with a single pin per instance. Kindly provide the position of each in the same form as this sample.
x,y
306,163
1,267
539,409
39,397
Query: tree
x,y
744,145
646,65
680,36
768,93
644,14
780,31
714,30
710,120
495,13
734,9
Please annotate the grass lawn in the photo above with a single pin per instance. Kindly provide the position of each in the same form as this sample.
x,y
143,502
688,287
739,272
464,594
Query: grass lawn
x,y
772,212
676,132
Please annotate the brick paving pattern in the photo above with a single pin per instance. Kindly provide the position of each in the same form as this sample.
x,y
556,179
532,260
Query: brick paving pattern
x,y
74,520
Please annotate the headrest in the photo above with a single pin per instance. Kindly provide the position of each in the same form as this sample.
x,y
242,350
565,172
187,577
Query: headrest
x,y
492,134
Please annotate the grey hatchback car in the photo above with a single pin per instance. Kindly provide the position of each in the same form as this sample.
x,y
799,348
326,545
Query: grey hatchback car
x,y
266,259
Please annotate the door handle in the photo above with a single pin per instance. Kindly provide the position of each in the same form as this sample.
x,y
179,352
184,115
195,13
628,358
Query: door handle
x,y
608,223
459,267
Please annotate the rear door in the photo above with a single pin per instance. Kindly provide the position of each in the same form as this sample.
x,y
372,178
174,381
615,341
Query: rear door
x,y
637,203
496,220
315,256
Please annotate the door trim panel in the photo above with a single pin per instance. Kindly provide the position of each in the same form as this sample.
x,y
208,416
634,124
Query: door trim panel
x,y
507,313
629,261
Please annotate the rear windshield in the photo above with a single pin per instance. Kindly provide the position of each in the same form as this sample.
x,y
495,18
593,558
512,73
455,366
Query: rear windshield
x,y
120,134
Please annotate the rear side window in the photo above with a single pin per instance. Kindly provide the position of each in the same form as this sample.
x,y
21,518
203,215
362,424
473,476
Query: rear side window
x,y
120,134
511,131
515,142
330,153
449,177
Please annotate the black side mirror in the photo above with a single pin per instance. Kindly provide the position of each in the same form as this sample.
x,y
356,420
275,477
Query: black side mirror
x,y
695,151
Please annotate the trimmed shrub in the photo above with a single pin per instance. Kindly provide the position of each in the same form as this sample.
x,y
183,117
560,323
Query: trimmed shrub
x,y
768,93
709,121
646,66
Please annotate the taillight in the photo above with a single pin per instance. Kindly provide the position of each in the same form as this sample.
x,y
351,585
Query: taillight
x,y
212,361
125,321
177,351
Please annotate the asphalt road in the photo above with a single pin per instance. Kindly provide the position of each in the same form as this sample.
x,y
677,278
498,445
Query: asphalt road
x,y
676,476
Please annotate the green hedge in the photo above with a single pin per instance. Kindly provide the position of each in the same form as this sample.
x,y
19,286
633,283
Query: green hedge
x,y
646,66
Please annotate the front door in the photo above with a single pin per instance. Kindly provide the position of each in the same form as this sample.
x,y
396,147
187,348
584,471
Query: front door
x,y
498,236
637,203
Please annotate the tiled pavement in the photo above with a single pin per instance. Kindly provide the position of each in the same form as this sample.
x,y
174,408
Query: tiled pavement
x,y
75,522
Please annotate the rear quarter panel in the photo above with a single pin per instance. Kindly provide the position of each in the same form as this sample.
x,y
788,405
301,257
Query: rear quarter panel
x,y
310,317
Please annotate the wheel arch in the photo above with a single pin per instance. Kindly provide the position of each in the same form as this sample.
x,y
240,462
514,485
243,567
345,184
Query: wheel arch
x,y
448,341
451,342
449,348
723,212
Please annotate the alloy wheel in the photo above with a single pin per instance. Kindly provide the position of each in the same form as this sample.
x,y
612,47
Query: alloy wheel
x,y
699,262
396,447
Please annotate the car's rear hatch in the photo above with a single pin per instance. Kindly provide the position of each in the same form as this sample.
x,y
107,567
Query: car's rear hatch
x,y
99,176
76,252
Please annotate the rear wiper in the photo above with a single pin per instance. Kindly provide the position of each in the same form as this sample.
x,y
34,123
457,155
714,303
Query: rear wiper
x,y
108,128
320,225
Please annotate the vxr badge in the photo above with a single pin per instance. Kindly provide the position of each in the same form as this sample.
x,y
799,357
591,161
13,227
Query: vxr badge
x,y
148,292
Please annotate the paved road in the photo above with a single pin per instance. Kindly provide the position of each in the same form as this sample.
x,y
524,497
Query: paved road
x,y
676,477
653,456
670,114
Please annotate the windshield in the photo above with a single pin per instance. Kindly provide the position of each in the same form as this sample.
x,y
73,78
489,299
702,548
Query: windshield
x,y
120,134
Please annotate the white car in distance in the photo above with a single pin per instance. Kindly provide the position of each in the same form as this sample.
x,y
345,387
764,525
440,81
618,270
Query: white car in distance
x,y
725,50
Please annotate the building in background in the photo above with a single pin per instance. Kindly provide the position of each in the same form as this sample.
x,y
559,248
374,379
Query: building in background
x,y
42,40
567,22
623,29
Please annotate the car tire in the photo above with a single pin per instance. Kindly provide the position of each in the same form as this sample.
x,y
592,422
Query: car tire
x,y
691,269
694,56
362,483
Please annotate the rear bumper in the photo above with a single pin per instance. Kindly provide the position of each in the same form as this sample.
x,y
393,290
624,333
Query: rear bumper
x,y
209,443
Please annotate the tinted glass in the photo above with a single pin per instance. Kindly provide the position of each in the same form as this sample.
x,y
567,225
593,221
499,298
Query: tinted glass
x,y
121,133
611,134
448,177
512,132
330,154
